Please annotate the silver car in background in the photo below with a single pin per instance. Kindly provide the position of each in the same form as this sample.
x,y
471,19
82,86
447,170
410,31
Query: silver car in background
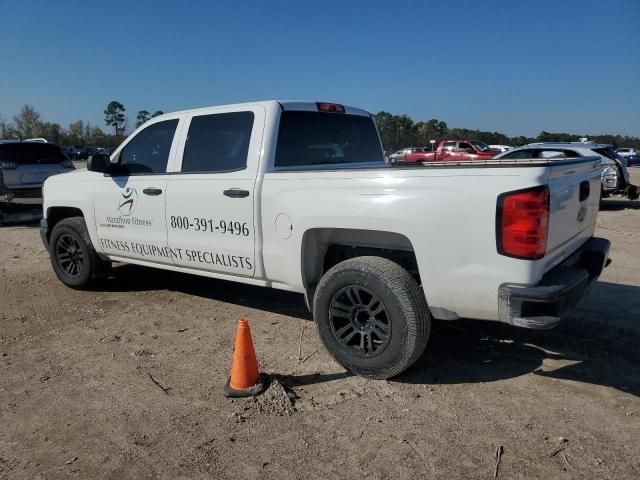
x,y
24,166
398,156
614,177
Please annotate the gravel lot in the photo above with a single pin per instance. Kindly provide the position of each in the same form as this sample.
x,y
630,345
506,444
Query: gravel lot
x,y
77,398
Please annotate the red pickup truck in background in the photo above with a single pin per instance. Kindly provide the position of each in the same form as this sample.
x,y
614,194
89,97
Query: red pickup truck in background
x,y
453,151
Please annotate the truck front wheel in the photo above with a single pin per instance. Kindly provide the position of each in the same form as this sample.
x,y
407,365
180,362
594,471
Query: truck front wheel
x,y
372,316
73,257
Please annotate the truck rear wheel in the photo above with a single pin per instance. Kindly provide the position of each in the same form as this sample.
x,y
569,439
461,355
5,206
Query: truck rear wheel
x,y
372,316
73,257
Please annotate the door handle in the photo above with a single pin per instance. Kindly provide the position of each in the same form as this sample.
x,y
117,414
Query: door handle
x,y
152,191
584,190
236,193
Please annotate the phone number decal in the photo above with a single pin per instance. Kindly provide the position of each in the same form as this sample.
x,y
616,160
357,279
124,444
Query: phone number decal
x,y
200,224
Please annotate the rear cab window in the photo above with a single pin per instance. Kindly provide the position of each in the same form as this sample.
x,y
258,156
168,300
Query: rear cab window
x,y
307,139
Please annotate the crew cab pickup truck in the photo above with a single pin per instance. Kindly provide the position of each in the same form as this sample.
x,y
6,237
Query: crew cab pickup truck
x,y
453,150
297,196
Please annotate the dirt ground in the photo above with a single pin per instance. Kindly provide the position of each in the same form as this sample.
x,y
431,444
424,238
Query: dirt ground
x,y
77,397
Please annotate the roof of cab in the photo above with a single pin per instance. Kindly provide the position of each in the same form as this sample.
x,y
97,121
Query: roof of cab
x,y
284,105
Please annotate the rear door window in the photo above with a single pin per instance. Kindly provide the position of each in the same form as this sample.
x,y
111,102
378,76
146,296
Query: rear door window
x,y
318,138
519,155
218,142
148,151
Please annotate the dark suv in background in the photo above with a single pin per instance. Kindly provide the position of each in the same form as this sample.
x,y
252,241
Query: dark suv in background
x,y
24,166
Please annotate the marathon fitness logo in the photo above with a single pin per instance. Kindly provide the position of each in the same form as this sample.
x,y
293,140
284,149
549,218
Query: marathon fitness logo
x,y
128,201
127,204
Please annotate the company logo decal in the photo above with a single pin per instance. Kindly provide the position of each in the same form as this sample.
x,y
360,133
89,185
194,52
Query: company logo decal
x,y
127,204
582,213
128,201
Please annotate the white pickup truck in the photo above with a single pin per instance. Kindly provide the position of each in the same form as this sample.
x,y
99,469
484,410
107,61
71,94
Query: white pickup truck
x,y
297,196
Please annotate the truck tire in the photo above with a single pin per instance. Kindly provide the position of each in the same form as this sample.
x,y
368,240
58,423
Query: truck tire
x,y
73,257
372,316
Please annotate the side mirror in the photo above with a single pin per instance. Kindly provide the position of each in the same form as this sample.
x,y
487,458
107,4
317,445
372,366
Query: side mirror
x,y
99,162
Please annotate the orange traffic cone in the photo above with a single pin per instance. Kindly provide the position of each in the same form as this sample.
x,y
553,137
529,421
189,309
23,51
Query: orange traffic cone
x,y
245,380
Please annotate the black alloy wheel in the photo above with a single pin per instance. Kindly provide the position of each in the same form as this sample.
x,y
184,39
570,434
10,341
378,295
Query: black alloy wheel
x,y
73,257
70,256
372,316
360,321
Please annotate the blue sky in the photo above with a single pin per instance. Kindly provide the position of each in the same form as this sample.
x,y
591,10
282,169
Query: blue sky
x,y
511,66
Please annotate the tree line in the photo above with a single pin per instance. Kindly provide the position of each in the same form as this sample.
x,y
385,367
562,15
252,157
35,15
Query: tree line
x,y
28,124
396,131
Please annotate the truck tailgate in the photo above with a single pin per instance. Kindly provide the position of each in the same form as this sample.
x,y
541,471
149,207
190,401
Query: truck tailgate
x,y
574,202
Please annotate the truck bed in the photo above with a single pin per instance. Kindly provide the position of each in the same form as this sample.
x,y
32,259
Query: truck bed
x,y
445,212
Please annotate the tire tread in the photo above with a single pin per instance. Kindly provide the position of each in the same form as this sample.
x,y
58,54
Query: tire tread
x,y
409,296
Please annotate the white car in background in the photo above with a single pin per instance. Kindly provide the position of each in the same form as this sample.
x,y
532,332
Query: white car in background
x,y
614,177
500,148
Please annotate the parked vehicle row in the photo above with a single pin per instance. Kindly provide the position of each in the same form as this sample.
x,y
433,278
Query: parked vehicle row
x,y
83,153
447,150
614,175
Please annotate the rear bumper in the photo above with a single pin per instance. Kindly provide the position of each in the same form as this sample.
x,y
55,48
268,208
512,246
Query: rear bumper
x,y
543,305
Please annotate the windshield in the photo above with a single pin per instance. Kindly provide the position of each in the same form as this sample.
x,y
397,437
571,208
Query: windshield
x,y
316,138
483,147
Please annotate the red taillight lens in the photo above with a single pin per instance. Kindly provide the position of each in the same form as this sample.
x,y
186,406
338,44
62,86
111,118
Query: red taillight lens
x,y
523,223
330,107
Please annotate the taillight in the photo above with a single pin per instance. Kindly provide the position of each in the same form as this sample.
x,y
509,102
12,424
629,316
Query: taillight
x,y
522,223
330,107
8,165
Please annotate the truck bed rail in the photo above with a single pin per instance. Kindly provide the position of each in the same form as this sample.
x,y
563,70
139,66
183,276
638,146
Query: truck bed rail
x,y
507,162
